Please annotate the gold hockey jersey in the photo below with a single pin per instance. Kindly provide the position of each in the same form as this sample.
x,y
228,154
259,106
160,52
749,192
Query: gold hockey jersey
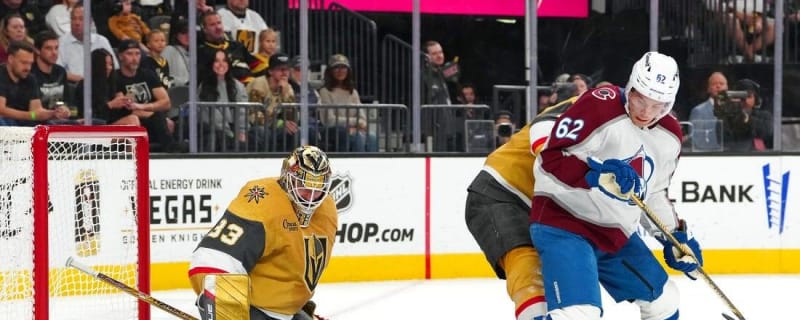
x,y
259,235
512,163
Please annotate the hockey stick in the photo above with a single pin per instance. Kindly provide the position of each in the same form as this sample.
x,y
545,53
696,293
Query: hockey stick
x,y
129,290
686,251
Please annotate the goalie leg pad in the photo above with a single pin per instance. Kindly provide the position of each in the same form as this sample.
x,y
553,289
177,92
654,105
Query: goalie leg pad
x,y
663,307
225,297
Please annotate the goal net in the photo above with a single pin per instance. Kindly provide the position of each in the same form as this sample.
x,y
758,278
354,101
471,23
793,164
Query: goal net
x,y
77,191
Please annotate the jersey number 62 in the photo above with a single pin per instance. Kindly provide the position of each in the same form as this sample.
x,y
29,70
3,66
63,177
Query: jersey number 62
x,y
569,128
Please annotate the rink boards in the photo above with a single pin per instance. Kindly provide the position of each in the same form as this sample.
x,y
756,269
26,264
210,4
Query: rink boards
x,y
403,218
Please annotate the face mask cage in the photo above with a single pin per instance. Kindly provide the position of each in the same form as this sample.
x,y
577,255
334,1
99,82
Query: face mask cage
x,y
307,191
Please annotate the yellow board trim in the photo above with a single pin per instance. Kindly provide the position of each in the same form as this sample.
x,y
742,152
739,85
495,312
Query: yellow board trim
x,y
169,276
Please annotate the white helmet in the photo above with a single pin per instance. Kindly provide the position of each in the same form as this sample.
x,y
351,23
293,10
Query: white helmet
x,y
655,76
306,168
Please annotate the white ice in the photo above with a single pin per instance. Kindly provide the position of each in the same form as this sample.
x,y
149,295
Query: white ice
x,y
757,297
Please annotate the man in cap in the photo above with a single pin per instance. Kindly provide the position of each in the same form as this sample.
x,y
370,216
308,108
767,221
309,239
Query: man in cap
x,y
146,96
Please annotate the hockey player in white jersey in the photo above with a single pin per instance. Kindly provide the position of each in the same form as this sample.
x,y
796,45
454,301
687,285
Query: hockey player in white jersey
x,y
613,143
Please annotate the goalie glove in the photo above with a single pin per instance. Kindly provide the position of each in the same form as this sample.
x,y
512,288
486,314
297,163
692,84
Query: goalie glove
x,y
675,258
614,177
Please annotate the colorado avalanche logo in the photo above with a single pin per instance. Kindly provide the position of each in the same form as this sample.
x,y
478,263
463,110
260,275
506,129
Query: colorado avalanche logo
x,y
643,165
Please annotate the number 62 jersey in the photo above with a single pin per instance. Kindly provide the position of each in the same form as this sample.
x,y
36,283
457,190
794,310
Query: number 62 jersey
x,y
259,235
598,126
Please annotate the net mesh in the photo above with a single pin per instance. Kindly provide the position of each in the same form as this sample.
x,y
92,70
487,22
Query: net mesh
x,y
92,217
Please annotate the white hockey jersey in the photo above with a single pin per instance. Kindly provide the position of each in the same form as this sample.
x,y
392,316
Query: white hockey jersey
x,y
243,29
598,126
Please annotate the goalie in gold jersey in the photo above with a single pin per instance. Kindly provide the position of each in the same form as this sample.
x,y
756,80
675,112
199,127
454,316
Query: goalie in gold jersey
x,y
267,252
497,208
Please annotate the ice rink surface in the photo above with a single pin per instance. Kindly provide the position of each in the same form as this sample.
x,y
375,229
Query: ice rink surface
x,y
758,297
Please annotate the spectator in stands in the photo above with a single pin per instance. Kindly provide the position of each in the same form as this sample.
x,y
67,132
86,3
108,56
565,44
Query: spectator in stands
x,y
347,126
705,124
13,29
70,46
108,104
148,97
544,100
219,124
747,127
156,42
753,31
177,54
582,83
51,77
468,96
295,76
151,8
274,90
34,20
125,25
242,23
268,45
20,98
213,39
180,11
58,17
434,83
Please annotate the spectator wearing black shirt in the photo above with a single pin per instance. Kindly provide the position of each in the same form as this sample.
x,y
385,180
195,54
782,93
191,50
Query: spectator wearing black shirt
x,y
148,99
20,98
213,39
51,77
108,105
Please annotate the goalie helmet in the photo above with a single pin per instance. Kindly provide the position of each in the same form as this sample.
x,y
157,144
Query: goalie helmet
x,y
655,76
306,178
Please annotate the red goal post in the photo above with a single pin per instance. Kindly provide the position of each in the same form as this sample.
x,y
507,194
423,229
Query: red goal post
x,y
73,191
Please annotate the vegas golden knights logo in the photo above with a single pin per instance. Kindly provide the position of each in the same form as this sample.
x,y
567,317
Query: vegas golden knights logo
x,y
316,255
87,213
247,38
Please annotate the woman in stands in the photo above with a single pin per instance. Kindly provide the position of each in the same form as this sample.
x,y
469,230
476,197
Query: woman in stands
x,y
108,105
12,28
218,124
347,126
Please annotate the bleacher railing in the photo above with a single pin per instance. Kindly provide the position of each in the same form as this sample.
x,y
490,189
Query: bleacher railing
x,y
223,127
246,127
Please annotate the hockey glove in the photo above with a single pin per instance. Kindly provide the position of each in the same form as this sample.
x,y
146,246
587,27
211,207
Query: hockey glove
x,y
675,259
614,177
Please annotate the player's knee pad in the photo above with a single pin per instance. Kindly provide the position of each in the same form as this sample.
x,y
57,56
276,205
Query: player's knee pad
x,y
665,307
577,312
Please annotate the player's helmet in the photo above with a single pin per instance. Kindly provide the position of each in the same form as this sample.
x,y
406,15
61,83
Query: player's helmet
x,y
306,177
655,76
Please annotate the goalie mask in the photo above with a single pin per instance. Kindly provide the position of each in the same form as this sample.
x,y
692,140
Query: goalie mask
x,y
655,76
306,178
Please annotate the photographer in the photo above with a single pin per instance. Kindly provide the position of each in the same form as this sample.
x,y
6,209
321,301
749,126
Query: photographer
x,y
746,127
504,127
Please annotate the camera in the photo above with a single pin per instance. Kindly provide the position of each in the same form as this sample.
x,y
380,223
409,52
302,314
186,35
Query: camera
x,y
504,130
727,95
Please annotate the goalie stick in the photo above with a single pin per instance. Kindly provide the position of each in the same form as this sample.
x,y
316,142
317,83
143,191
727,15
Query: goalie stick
x,y
71,262
686,251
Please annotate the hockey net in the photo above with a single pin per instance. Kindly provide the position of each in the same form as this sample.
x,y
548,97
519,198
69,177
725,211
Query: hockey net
x,y
95,209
